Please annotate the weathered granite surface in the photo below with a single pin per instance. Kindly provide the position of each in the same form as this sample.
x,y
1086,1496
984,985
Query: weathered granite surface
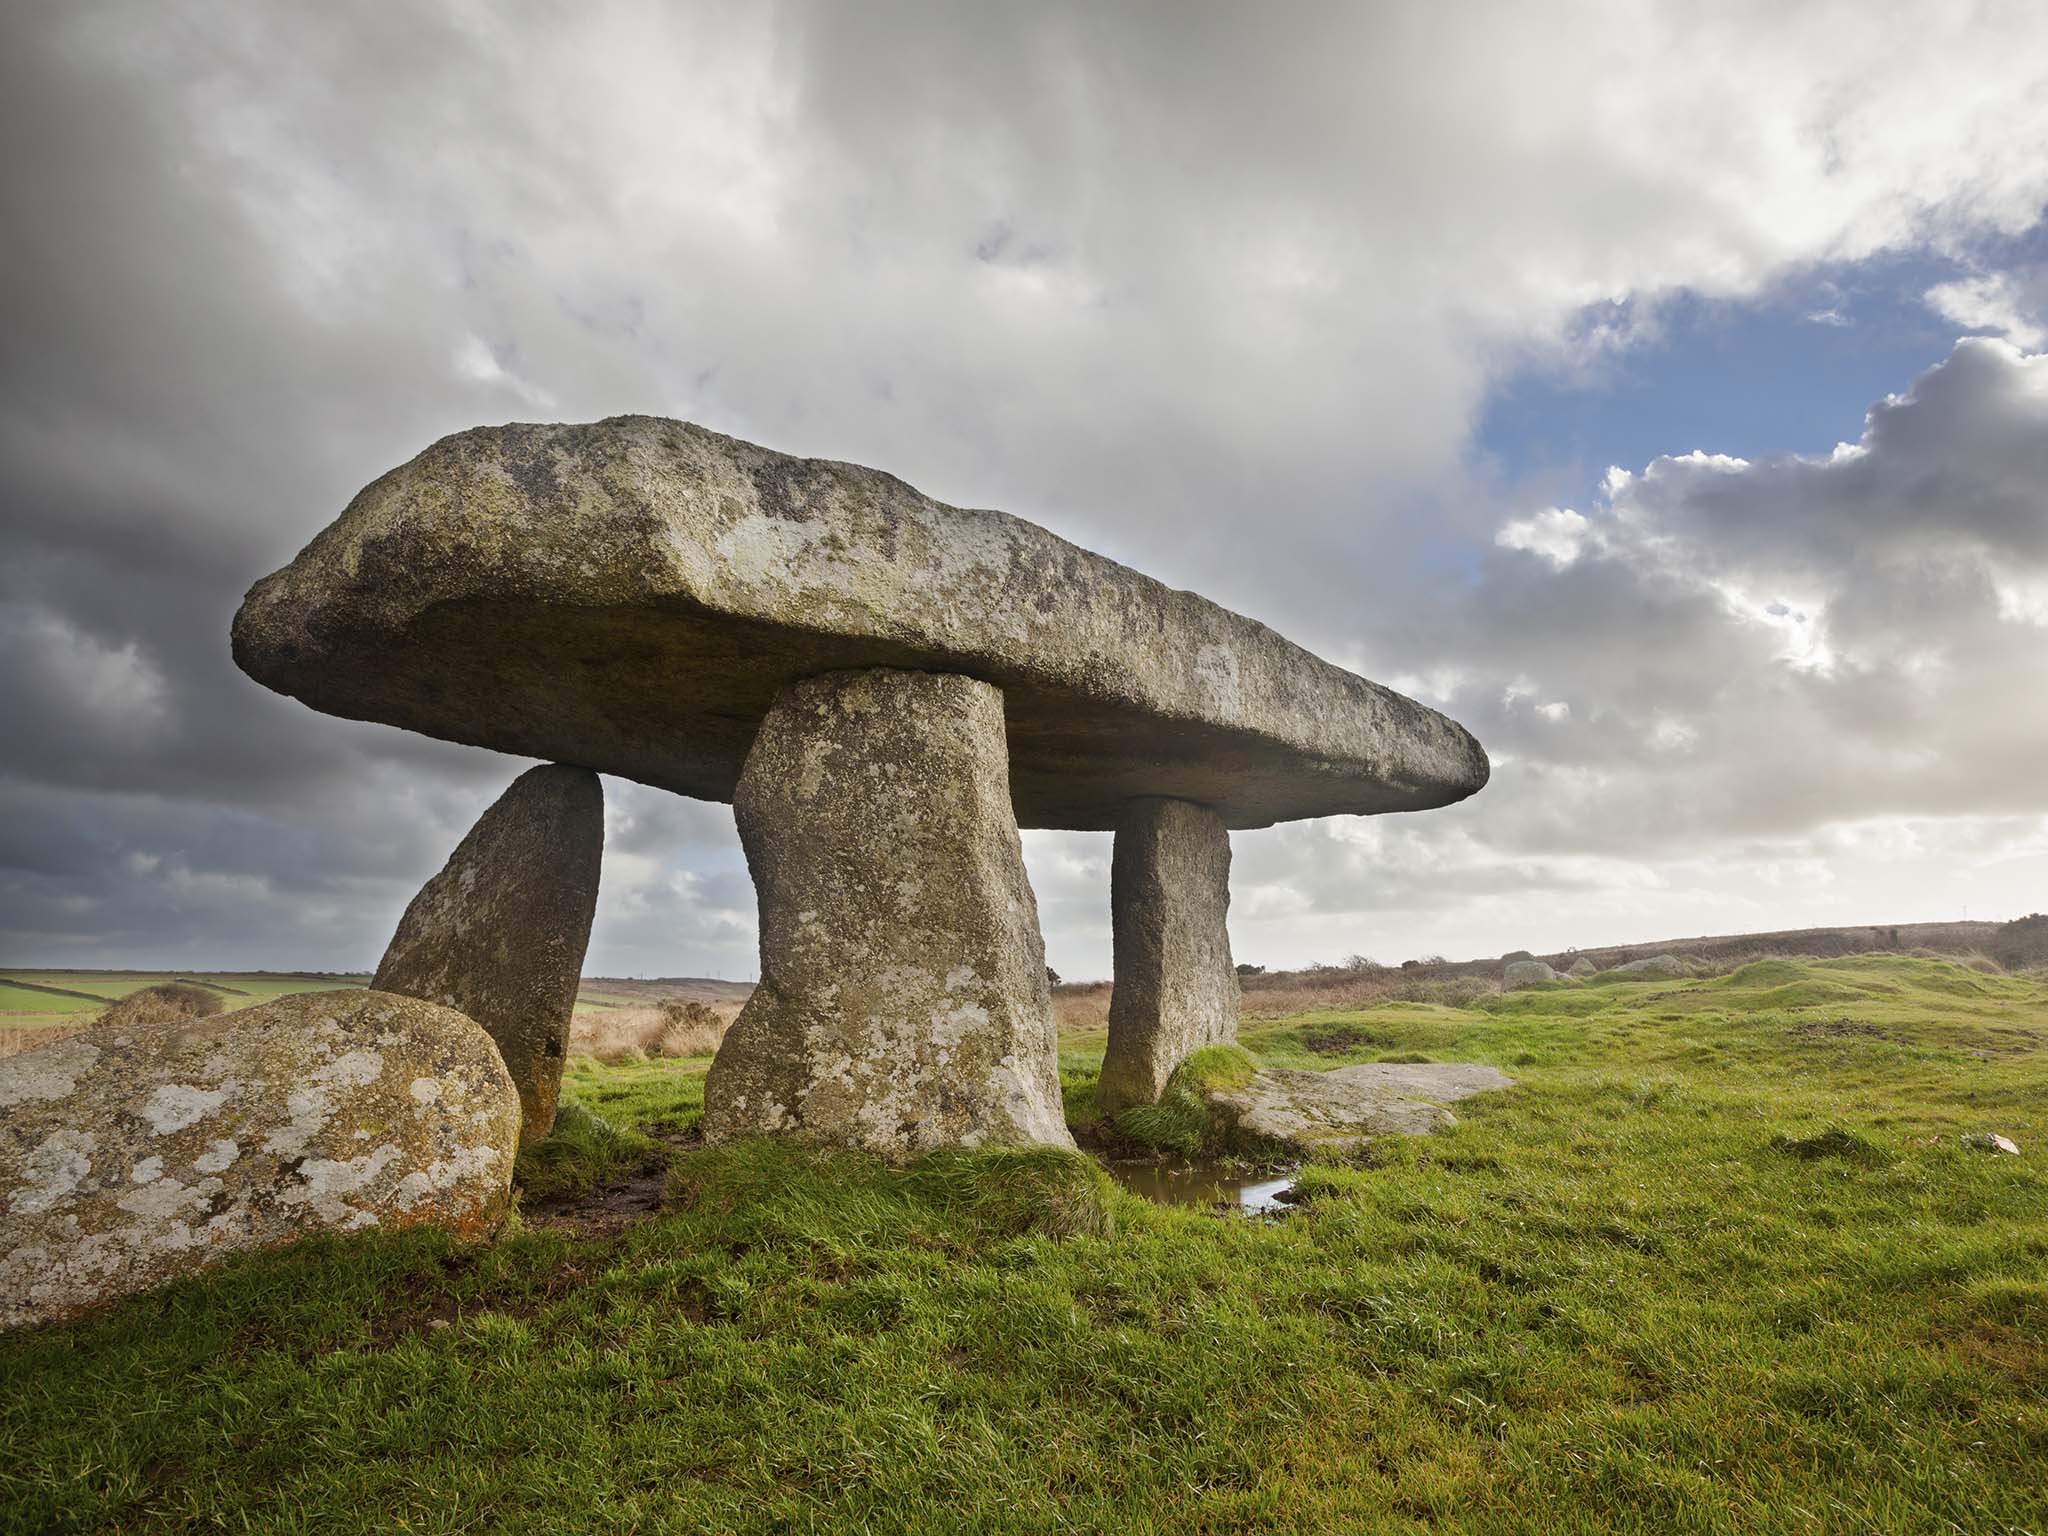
x,y
132,1156
1652,965
1581,968
1525,973
903,1003
1348,1105
499,934
1176,988
633,594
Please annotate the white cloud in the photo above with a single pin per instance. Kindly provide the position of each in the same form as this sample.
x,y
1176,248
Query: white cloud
x,y
1219,297
1556,533
2009,303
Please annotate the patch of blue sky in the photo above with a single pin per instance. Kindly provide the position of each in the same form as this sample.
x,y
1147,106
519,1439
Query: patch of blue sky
x,y
1792,371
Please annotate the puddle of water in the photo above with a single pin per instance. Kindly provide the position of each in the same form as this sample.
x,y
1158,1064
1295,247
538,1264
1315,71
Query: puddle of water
x,y
1205,1184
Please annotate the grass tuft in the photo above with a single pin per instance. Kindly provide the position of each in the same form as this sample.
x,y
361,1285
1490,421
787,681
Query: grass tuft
x,y
1181,1121
1835,1142
583,1153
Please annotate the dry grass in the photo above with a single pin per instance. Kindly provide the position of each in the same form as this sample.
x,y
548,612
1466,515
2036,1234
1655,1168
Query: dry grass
x,y
14,1041
671,1028
1080,1005
172,1002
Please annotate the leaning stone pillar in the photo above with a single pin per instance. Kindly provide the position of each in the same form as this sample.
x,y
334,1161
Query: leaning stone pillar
x,y
500,933
903,1003
1176,990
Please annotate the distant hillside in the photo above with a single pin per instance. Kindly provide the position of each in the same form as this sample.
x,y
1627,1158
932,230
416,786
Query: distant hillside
x,y
638,991
1941,938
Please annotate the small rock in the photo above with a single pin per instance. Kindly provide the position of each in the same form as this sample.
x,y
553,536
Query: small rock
x,y
1985,1141
1526,973
132,1157
1654,965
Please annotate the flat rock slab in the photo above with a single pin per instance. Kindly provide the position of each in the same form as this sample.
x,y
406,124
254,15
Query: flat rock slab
x,y
130,1156
1345,1106
633,594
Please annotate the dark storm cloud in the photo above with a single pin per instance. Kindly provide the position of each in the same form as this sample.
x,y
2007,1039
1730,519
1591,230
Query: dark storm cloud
x,y
1215,293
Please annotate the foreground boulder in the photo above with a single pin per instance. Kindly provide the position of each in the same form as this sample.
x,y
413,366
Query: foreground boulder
x,y
633,594
903,1003
1526,973
132,1156
499,934
1339,1109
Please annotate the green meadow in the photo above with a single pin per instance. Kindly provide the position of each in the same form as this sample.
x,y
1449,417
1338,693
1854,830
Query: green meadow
x,y
35,996
1730,1258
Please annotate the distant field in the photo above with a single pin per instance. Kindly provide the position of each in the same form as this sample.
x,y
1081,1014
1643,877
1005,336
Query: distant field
x,y
40,1004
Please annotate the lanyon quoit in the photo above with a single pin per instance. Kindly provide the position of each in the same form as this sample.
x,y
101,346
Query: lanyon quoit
x,y
885,688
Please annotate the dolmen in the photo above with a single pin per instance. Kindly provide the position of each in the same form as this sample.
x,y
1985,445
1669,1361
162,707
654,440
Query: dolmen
x,y
885,688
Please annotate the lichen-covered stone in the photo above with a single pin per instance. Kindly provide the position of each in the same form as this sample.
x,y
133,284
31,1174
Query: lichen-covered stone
x,y
1337,1110
903,1003
634,594
132,1156
1176,989
1525,973
499,934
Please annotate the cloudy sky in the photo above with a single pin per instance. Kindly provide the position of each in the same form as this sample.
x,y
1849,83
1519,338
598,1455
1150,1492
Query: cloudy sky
x,y
1661,390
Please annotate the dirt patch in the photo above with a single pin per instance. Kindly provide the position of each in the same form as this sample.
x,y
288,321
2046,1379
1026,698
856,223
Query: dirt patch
x,y
604,1212
623,1203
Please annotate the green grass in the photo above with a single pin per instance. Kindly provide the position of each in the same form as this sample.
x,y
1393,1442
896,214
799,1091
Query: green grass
x,y
1181,1121
1721,1263
237,990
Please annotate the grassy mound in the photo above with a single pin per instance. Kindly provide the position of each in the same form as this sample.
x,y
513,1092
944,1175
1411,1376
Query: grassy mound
x,y
1718,1264
1181,1121
170,1002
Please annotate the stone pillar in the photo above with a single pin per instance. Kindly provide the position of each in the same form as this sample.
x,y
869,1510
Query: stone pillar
x,y
500,933
903,1003
1176,989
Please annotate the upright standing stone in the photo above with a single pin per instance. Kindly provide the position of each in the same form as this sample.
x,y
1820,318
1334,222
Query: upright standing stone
x,y
1176,989
499,934
903,1003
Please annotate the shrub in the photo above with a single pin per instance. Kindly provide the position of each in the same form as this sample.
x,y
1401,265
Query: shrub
x,y
672,1028
170,1002
2022,945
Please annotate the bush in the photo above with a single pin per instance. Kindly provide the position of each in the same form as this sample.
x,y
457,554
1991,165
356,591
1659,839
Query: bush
x,y
171,1002
670,1028
2022,945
